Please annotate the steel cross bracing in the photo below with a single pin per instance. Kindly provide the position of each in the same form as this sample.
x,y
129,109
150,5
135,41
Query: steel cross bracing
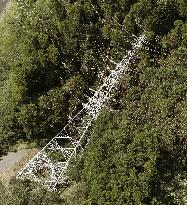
x,y
47,170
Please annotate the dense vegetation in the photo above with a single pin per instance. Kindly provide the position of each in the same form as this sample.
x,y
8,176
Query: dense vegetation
x,y
52,51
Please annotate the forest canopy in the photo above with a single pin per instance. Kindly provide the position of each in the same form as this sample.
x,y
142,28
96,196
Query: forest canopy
x,y
53,51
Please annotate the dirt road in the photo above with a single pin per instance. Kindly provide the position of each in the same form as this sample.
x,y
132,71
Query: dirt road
x,y
10,159
3,4
13,162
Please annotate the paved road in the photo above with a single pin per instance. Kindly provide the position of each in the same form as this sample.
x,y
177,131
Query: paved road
x,y
9,160
3,4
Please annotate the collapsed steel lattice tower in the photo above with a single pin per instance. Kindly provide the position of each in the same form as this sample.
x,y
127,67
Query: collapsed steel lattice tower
x,y
43,167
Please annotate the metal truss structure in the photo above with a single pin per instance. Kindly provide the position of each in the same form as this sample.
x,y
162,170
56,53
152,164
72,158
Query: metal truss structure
x,y
49,166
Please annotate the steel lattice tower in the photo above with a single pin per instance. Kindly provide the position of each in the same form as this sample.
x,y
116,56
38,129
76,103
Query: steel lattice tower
x,y
71,140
